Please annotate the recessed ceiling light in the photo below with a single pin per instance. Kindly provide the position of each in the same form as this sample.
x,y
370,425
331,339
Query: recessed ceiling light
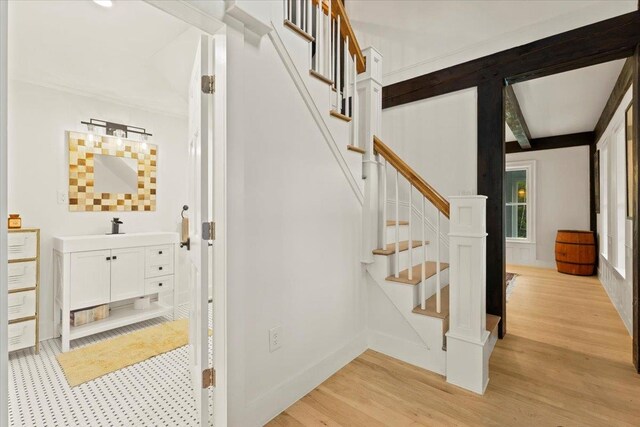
x,y
103,3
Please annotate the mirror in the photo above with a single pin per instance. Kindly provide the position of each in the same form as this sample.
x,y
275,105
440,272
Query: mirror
x,y
115,174
108,173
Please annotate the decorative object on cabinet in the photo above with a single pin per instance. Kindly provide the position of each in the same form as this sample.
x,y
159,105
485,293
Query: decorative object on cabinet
x,y
88,315
108,173
24,288
14,222
114,270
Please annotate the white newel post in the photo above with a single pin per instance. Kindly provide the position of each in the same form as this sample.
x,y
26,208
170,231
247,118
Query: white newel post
x,y
369,112
468,340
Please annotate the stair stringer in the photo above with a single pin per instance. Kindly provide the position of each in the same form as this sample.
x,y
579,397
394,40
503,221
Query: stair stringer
x,y
403,298
294,52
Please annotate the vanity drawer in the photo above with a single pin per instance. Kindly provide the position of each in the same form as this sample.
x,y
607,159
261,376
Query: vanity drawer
x,y
22,304
22,335
158,284
159,255
22,275
22,245
159,261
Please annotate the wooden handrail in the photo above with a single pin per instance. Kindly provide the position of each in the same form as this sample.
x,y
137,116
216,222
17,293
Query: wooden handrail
x,y
337,9
412,176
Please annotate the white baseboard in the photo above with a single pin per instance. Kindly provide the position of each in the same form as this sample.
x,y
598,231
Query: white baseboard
x,y
414,353
260,411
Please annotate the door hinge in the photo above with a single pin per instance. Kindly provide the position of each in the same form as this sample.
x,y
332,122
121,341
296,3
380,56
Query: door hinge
x,y
208,84
208,231
208,378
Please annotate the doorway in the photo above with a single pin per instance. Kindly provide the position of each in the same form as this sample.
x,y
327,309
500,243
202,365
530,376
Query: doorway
x,y
568,214
128,64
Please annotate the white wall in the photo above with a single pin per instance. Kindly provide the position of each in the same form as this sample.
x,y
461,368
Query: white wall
x,y
38,169
438,138
293,229
619,285
561,201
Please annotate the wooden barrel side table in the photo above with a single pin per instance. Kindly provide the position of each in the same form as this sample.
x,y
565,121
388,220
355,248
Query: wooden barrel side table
x,y
576,252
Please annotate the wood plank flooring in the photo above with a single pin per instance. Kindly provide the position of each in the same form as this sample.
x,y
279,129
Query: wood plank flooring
x,y
566,361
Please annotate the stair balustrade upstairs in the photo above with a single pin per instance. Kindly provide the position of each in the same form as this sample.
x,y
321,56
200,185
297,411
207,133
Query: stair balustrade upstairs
x,y
334,55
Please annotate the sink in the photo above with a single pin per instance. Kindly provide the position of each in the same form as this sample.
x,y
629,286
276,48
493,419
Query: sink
x,y
99,242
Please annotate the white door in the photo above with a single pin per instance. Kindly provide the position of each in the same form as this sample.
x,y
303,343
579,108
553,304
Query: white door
x,y
127,273
200,204
90,279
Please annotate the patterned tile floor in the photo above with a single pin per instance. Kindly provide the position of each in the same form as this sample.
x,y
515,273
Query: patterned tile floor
x,y
156,392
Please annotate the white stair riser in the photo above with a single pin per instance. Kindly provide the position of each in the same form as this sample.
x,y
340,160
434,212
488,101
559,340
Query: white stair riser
x,y
408,295
404,233
403,259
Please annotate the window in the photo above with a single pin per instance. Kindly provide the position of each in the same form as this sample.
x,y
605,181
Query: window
x,y
519,198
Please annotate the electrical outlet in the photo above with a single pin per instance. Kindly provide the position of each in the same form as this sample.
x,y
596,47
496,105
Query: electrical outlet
x,y
63,198
275,338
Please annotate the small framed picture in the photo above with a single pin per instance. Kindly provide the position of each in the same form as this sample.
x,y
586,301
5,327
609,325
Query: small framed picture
x,y
629,138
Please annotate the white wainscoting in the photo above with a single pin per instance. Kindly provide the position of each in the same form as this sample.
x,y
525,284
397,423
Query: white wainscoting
x,y
618,288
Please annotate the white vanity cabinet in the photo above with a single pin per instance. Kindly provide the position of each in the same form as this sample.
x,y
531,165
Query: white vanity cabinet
x,y
114,270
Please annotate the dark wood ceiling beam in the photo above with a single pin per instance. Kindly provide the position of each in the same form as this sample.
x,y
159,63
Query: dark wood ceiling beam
x,y
619,90
551,142
515,119
600,42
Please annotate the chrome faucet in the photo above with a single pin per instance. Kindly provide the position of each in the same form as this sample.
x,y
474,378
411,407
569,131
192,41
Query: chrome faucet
x,y
115,226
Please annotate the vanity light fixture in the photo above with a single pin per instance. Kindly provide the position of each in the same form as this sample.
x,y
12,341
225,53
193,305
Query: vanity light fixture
x,y
117,130
104,3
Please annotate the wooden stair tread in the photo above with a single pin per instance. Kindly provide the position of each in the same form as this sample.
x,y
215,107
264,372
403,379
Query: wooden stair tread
x,y
392,223
355,149
492,322
339,115
391,248
320,77
430,270
430,306
299,31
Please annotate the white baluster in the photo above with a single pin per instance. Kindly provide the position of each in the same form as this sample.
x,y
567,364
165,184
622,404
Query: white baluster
x,y
423,284
347,76
320,39
354,103
410,233
309,19
384,204
298,23
438,304
397,225
338,68
330,42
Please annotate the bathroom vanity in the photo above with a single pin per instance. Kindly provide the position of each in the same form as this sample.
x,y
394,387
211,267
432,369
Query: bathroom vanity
x,y
114,270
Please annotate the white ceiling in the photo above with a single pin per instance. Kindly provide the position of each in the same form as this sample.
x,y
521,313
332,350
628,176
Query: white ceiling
x,y
131,53
417,37
566,103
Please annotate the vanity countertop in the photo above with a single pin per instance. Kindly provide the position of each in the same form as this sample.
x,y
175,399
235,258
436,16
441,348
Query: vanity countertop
x,y
112,241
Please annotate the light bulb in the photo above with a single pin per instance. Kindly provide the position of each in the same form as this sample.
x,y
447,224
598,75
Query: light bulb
x,y
119,142
144,146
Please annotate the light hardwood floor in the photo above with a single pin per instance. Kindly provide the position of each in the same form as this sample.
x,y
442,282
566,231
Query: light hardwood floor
x,y
566,361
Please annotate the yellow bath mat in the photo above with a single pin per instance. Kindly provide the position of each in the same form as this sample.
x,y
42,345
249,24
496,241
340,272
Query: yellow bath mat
x,y
95,360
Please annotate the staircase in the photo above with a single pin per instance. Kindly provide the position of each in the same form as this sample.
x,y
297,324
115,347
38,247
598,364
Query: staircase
x,y
434,280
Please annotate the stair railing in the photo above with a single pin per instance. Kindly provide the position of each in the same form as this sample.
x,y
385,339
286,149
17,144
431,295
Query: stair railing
x,y
428,194
334,53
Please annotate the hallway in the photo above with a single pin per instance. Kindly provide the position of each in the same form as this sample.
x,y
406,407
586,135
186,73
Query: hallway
x,y
566,360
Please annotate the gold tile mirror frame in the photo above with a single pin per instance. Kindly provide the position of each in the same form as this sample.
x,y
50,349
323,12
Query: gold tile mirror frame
x,y
83,147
